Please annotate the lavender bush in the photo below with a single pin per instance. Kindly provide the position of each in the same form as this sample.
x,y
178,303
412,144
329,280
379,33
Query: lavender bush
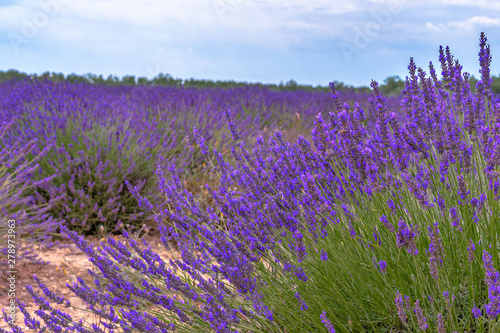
x,y
25,220
387,229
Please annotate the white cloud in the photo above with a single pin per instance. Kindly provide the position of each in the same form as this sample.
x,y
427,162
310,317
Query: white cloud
x,y
119,25
195,35
312,6
486,4
11,17
468,24
438,27
476,21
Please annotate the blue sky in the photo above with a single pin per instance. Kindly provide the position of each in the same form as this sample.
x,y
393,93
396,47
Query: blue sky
x,y
312,42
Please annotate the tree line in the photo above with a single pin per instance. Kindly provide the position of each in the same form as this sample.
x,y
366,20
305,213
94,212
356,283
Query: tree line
x,y
392,85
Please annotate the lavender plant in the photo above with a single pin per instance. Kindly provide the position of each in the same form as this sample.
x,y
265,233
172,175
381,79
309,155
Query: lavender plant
x,y
383,229
25,220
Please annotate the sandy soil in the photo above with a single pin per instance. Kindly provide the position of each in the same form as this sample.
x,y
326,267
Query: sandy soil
x,y
65,265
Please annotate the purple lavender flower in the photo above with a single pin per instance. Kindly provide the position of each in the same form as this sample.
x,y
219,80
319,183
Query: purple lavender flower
x,y
200,140
143,202
50,294
400,307
435,246
376,236
335,97
462,187
382,266
441,204
352,232
319,134
435,250
391,205
324,255
470,249
420,316
407,303
484,85
232,125
406,238
476,311
300,248
440,324
30,321
455,219
303,305
433,267
327,322
386,223
493,284
448,300
478,204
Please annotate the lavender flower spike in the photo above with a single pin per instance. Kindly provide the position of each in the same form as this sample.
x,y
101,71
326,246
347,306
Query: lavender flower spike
x,y
420,316
232,125
492,281
327,323
400,307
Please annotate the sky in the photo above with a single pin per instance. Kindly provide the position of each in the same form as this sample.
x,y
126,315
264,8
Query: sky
x,y
310,41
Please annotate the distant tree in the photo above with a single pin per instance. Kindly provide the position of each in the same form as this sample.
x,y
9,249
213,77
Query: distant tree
x,y
143,81
392,86
495,85
129,80
11,74
291,85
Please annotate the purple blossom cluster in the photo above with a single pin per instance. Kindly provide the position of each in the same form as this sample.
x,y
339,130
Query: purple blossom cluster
x,y
400,307
406,238
492,281
327,323
420,316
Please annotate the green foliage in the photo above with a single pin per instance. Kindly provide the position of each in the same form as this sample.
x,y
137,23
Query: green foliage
x,y
393,85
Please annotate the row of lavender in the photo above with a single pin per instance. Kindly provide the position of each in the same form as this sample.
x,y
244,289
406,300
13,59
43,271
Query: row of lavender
x,y
97,137
369,230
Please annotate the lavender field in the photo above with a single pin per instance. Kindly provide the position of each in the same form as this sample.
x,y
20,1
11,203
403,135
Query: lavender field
x,y
291,211
93,138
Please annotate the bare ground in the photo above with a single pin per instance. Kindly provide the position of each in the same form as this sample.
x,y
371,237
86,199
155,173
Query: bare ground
x,y
65,265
